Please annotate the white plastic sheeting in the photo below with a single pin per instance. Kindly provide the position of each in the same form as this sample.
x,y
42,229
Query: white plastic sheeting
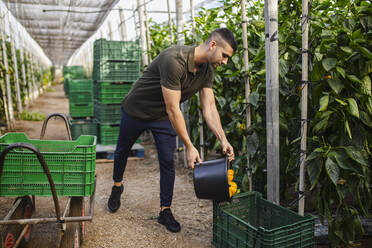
x,y
156,10
60,26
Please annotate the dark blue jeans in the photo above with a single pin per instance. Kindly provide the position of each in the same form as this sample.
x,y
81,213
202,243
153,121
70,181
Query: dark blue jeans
x,y
165,141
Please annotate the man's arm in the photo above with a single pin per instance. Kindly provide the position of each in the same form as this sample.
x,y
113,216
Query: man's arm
x,y
172,102
212,118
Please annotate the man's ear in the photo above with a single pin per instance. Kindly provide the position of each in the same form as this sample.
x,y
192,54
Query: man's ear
x,y
212,45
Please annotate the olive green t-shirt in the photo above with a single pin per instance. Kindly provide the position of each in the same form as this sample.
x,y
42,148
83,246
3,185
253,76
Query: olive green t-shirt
x,y
174,69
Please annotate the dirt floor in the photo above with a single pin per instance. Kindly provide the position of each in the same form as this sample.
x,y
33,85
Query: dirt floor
x,y
134,224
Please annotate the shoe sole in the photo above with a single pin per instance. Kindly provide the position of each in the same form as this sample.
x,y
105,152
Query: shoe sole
x,y
163,223
112,210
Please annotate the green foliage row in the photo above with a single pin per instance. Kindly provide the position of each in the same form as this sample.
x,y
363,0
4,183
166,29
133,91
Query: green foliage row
x,y
32,116
340,102
41,78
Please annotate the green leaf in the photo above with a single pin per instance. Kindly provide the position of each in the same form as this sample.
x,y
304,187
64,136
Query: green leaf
x,y
353,107
367,68
366,86
283,67
341,160
332,170
235,59
341,71
357,34
347,49
365,52
356,155
321,125
341,102
349,24
369,105
317,72
364,117
261,72
313,155
293,48
326,114
324,103
353,78
326,33
329,63
314,170
318,56
347,127
336,85
253,98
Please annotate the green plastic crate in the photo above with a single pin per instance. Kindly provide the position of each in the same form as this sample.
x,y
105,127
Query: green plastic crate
x,y
83,127
113,70
253,222
80,85
73,72
65,86
117,50
71,163
108,134
81,109
81,97
107,113
111,92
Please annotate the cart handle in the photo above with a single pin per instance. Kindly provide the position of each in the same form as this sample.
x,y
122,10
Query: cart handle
x,y
43,164
45,123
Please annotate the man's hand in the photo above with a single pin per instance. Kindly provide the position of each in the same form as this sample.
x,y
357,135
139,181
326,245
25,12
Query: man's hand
x,y
192,156
228,150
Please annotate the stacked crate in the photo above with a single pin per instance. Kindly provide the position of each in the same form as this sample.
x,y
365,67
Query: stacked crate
x,y
71,72
116,67
80,94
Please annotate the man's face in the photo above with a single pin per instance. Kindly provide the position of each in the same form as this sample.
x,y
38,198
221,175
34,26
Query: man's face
x,y
219,53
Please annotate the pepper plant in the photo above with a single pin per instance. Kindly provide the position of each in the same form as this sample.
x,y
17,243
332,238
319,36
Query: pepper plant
x,y
340,103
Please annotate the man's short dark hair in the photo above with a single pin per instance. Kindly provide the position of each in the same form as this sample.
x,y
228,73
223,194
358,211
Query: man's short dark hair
x,y
225,35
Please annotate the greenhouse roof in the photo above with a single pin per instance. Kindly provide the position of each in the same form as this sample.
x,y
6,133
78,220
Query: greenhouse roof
x,y
58,25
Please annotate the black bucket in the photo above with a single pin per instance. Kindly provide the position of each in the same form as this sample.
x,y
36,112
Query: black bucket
x,y
210,180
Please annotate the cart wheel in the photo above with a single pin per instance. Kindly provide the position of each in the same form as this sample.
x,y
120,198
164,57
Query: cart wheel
x,y
72,236
28,209
77,209
10,237
12,232
74,233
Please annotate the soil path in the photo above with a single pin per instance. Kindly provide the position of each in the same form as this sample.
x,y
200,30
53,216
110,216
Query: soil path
x,y
134,224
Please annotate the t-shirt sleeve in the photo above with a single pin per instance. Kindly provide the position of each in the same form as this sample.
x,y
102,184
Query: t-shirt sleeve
x,y
171,71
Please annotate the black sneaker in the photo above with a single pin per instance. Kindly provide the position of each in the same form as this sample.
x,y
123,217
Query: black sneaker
x,y
166,218
114,200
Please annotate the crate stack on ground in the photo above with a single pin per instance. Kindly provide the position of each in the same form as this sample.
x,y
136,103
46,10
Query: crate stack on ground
x,y
71,72
80,95
116,67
